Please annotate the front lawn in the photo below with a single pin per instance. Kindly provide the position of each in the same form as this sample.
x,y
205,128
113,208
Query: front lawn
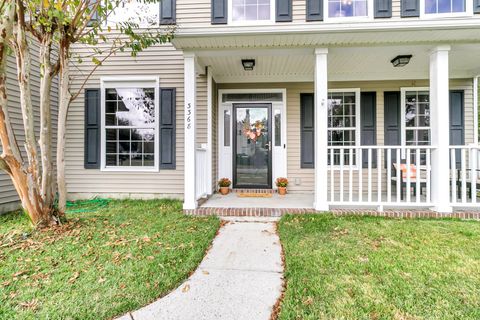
x,y
376,268
100,264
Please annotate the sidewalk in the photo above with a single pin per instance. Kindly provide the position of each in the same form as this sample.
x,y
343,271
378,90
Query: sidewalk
x,y
240,278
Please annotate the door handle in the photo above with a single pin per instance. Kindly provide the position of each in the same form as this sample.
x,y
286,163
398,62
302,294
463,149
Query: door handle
x,y
267,146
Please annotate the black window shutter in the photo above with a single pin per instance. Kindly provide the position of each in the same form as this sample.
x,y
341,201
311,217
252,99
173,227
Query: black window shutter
x,y
383,8
315,10
392,126
167,128
219,12
457,122
92,129
476,6
307,128
283,11
167,12
410,8
368,123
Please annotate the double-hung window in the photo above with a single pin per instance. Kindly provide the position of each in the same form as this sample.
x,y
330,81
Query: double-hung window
x,y
343,124
144,14
416,118
445,6
252,10
347,8
130,125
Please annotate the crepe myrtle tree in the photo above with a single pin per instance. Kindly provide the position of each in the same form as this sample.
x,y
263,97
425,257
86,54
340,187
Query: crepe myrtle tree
x,y
54,26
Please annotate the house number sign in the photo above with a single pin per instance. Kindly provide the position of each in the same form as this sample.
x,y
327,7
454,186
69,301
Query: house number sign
x,y
189,116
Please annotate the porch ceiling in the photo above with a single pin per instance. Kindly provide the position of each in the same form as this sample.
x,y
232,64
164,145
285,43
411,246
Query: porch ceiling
x,y
344,64
400,32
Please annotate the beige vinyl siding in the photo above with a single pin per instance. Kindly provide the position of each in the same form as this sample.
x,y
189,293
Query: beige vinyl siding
x,y
8,195
302,180
197,13
163,61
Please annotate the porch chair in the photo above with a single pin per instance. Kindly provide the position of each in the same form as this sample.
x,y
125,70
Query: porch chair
x,y
403,178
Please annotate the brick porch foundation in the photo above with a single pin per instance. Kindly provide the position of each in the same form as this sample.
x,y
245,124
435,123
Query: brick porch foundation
x,y
278,212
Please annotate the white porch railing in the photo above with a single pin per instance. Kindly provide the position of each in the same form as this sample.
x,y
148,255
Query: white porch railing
x,y
465,174
380,176
201,186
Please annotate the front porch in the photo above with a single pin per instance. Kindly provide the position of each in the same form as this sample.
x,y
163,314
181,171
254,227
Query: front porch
x,y
399,156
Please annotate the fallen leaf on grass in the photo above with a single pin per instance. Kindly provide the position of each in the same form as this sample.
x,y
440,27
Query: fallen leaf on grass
x,y
150,257
102,280
186,288
31,305
308,301
74,277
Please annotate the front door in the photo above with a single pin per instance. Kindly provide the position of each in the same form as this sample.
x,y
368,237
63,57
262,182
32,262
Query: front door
x,y
252,146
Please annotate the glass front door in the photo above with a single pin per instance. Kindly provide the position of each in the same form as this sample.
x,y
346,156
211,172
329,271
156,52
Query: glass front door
x,y
252,149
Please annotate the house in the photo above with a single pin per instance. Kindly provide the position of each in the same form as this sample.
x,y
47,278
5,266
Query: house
x,y
359,103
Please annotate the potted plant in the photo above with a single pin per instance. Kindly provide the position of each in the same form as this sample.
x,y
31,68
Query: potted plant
x,y
282,184
224,185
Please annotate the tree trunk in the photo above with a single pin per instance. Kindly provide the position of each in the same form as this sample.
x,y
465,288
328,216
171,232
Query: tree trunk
x,y
45,142
61,129
24,178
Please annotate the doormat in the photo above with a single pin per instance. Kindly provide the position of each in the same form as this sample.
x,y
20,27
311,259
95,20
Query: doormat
x,y
254,195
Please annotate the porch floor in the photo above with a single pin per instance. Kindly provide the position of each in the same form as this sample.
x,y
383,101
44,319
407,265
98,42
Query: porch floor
x,y
289,201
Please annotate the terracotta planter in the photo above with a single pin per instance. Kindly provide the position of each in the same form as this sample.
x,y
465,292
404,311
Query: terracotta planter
x,y
224,190
282,191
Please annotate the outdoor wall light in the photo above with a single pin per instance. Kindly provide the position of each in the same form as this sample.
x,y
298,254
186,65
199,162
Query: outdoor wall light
x,y
401,61
248,64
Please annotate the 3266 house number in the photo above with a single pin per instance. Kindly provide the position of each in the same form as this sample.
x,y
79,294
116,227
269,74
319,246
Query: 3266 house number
x,y
189,116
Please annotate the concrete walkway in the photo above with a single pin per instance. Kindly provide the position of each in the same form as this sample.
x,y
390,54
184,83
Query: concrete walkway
x,y
239,278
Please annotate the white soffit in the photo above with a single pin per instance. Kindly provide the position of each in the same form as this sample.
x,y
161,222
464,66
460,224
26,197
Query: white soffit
x,y
344,64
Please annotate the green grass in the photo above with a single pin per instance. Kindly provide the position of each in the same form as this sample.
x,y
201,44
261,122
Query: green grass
x,y
100,264
376,268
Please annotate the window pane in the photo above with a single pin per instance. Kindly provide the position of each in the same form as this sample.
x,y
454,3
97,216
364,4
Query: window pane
x,y
138,12
278,128
430,6
458,5
444,6
226,128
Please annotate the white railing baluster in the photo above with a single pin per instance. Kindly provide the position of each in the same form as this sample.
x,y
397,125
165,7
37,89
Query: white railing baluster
x,y
453,168
379,177
369,174
341,174
360,175
332,176
350,175
428,175
418,176
473,173
464,176
389,175
408,186
399,176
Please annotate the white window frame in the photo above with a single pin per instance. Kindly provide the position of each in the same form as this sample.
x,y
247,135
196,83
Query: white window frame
x,y
468,12
272,19
129,82
357,126
403,126
368,17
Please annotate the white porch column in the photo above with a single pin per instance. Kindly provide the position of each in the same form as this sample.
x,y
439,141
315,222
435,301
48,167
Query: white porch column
x,y
321,134
209,131
190,201
440,122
